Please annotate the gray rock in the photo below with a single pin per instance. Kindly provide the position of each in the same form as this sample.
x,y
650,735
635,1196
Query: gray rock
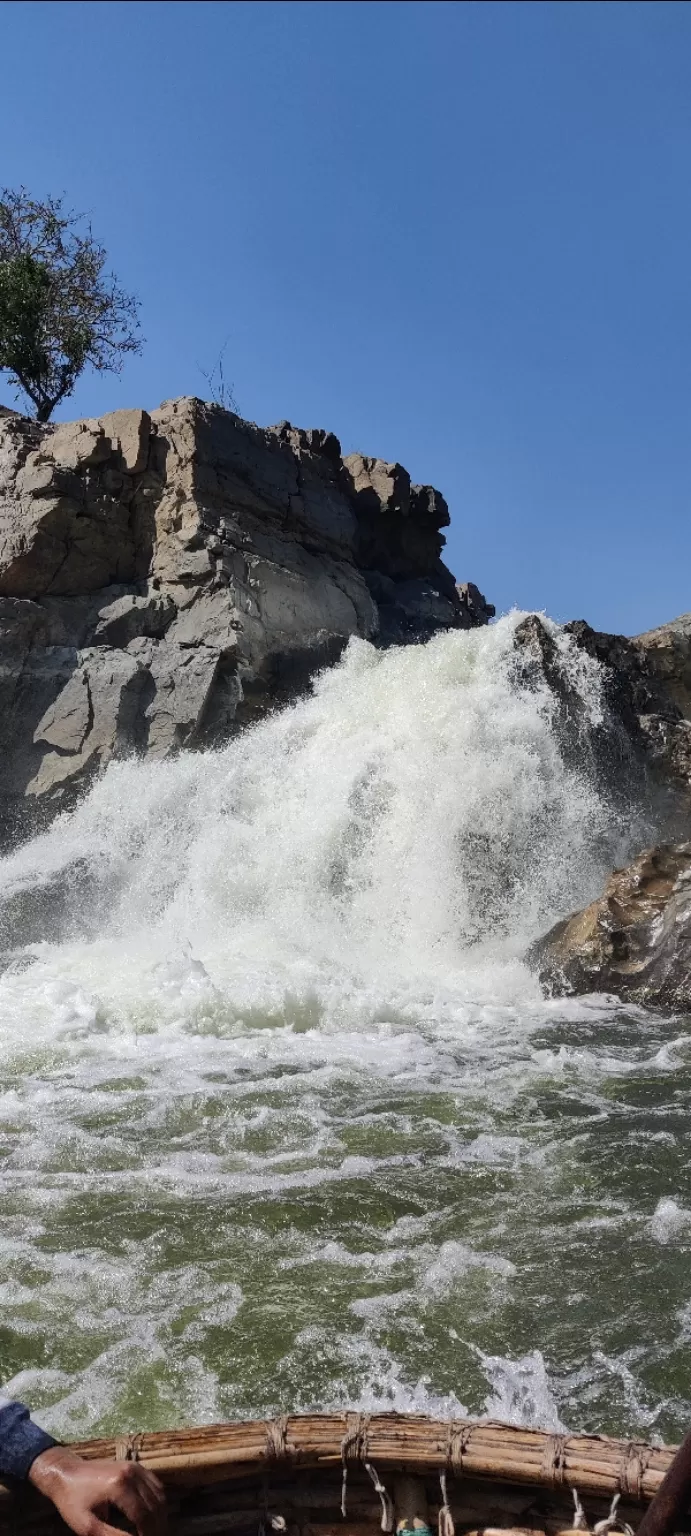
x,y
33,672
478,610
166,578
635,940
132,615
92,720
648,687
68,720
667,656
183,682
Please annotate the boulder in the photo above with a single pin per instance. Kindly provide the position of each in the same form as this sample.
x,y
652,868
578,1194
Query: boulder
x,y
635,940
165,578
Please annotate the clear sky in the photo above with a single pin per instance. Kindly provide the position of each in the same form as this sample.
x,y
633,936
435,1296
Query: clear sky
x,y
457,234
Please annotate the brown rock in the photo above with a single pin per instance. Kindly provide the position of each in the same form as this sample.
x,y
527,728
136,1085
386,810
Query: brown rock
x,y
129,433
378,487
78,444
635,940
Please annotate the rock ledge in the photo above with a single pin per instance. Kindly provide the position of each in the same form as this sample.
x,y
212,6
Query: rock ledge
x,y
164,578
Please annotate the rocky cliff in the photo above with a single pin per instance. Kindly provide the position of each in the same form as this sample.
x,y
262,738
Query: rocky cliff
x,y
635,939
166,578
163,578
645,732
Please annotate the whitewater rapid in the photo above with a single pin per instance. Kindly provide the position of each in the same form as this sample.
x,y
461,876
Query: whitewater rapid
x,y
285,1120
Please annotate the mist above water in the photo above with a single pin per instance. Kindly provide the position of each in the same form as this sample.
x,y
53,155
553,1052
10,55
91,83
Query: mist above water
x,y
285,1119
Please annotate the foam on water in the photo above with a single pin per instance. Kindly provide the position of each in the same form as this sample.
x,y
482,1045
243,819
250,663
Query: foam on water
x,y
414,817
284,1118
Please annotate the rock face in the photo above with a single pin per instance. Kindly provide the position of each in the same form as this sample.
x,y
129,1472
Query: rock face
x,y
635,940
164,578
648,684
645,732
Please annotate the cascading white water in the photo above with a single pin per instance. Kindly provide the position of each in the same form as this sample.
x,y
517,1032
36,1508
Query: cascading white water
x,y
411,821
277,1117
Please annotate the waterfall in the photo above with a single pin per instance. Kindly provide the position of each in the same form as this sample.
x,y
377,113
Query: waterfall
x,y
413,821
284,1117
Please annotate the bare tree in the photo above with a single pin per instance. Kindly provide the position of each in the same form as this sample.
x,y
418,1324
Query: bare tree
x,y
59,308
221,389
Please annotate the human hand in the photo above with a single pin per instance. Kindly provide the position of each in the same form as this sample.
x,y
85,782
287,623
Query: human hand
x,y
82,1491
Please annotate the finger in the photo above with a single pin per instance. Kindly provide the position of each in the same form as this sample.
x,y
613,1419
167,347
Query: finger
x,y
155,1490
137,1476
135,1488
147,1521
149,1488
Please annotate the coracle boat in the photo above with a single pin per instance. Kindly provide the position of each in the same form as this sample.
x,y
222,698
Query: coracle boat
x,y
356,1474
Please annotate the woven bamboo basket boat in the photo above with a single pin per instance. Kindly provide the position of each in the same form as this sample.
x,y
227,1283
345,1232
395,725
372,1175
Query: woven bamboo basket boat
x,y
358,1474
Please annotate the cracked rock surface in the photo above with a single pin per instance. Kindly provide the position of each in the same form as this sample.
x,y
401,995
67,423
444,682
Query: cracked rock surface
x,y
165,578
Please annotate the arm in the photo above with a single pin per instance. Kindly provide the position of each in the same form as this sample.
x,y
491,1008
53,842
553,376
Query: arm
x,y
80,1490
21,1441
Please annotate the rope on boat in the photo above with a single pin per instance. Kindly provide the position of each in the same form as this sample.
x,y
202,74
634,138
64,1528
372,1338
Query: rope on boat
x,y
458,1438
613,1521
354,1443
127,1448
580,1523
554,1460
387,1509
277,1447
634,1463
354,1446
446,1525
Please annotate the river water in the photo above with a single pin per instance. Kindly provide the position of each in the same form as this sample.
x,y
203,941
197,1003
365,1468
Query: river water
x,y
285,1121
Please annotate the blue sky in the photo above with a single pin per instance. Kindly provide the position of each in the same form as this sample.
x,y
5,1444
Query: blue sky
x,y
458,235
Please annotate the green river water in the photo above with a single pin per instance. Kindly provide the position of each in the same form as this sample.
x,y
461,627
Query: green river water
x,y
285,1121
